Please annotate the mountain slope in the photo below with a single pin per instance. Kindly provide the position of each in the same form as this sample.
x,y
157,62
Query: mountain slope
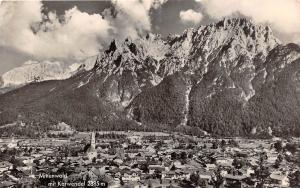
x,y
35,71
231,78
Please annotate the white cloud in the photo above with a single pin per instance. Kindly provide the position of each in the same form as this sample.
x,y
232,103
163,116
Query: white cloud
x,y
282,15
135,11
23,27
190,16
133,16
79,35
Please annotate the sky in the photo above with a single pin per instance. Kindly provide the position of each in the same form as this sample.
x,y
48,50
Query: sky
x,y
74,30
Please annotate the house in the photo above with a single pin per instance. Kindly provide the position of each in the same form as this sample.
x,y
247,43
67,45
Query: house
x,y
28,160
13,143
74,177
4,166
279,179
223,160
150,149
233,180
118,161
25,168
180,174
7,184
205,176
177,164
153,168
134,139
169,175
210,167
187,173
94,173
247,171
27,181
140,185
120,153
131,177
272,159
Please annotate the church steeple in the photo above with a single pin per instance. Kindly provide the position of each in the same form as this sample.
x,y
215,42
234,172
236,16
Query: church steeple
x,y
93,141
92,152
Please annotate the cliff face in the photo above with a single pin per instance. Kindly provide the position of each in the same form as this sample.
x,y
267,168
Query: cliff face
x,y
231,78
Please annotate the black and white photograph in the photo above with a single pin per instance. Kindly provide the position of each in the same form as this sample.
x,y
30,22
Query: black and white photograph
x,y
149,93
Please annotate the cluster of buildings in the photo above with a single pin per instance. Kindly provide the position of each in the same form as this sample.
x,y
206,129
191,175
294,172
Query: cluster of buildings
x,y
135,159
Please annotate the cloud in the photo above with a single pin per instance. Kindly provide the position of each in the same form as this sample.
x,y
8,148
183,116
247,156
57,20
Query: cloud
x,y
135,11
282,15
23,26
76,34
190,16
133,16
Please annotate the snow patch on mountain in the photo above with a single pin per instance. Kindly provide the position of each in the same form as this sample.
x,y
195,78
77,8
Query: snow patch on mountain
x,y
37,71
34,71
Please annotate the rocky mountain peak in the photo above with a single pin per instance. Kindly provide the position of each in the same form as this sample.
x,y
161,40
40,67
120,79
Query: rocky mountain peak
x,y
241,33
228,39
37,71
226,78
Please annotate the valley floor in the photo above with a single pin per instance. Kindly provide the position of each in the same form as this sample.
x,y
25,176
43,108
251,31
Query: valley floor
x,y
147,159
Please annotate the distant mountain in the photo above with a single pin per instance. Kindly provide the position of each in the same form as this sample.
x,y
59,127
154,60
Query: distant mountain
x,y
36,71
230,78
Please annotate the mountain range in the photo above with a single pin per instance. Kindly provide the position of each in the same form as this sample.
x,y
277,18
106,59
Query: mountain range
x,y
37,71
230,78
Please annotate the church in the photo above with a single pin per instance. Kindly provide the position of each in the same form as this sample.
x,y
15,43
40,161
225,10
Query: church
x,y
92,152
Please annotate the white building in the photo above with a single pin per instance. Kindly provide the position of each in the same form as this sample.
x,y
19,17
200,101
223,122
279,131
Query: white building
x,y
13,143
4,166
92,152
131,177
280,179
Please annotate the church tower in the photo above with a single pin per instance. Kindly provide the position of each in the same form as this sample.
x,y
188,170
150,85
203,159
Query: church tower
x,y
93,141
92,152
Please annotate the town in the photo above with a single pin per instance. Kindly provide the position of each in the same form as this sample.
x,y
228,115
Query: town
x,y
147,159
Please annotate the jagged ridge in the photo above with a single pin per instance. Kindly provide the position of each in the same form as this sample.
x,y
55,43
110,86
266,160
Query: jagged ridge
x,y
36,71
226,78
